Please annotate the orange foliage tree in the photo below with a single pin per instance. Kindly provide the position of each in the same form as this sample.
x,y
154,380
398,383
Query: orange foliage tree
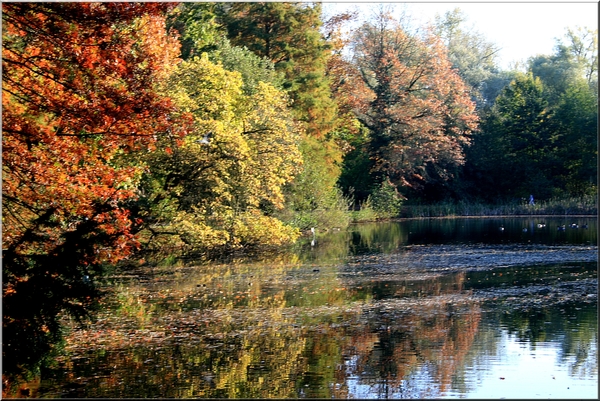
x,y
79,92
418,110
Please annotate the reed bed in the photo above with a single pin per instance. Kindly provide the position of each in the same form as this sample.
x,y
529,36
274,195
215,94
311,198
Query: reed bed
x,y
587,205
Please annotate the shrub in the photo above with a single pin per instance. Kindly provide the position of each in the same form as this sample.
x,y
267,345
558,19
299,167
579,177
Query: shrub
x,y
386,200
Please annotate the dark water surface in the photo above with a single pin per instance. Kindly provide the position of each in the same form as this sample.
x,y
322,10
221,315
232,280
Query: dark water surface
x,y
437,308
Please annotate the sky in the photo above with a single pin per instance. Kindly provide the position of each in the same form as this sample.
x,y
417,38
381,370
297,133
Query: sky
x,y
520,29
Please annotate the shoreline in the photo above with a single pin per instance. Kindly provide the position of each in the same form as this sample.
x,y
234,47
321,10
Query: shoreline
x,y
498,216
504,216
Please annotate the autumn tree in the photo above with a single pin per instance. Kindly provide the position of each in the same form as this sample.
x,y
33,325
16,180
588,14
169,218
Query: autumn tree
x,y
350,134
289,35
219,188
78,91
416,107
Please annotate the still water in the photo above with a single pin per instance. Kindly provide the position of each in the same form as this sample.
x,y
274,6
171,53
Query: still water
x,y
436,308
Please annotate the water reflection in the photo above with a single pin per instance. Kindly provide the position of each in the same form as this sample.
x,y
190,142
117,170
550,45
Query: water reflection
x,y
537,355
389,236
378,311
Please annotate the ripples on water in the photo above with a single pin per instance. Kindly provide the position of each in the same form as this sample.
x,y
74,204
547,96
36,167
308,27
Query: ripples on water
x,y
441,308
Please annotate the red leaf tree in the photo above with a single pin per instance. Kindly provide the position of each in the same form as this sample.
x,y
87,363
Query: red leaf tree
x,y
78,93
417,108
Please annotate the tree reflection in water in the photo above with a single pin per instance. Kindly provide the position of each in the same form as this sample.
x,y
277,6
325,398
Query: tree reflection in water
x,y
361,326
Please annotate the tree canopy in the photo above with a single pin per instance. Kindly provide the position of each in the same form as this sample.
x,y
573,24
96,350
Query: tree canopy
x,y
416,107
212,190
79,89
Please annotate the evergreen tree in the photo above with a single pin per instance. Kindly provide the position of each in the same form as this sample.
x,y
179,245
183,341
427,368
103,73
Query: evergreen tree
x,y
289,35
523,124
575,134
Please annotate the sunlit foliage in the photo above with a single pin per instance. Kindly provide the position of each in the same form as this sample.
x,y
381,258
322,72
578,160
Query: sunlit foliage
x,y
78,88
415,105
218,188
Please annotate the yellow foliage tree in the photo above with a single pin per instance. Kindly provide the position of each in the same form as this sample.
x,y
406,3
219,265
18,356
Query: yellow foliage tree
x,y
219,186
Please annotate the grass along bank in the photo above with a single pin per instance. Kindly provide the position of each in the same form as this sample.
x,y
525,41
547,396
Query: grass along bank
x,y
587,205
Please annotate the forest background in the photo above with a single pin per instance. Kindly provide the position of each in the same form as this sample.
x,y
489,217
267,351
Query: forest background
x,y
137,133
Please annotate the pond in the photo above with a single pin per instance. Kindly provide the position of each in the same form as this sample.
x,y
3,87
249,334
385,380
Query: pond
x,y
428,308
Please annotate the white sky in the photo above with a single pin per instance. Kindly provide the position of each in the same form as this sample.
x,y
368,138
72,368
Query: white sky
x,y
520,29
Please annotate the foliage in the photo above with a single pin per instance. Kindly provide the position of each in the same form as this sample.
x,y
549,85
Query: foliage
x,y
544,127
413,102
386,200
288,35
312,199
580,47
273,122
365,212
355,178
351,136
218,188
523,125
253,68
471,54
575,128
78,91
197,26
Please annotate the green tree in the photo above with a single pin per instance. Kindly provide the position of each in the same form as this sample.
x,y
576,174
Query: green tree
x,y
288,34
196,23
253,68
576,140
582,45
542,129
574,59
355,178
385,200
524,126
570,79
313,198
557,72
472,55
